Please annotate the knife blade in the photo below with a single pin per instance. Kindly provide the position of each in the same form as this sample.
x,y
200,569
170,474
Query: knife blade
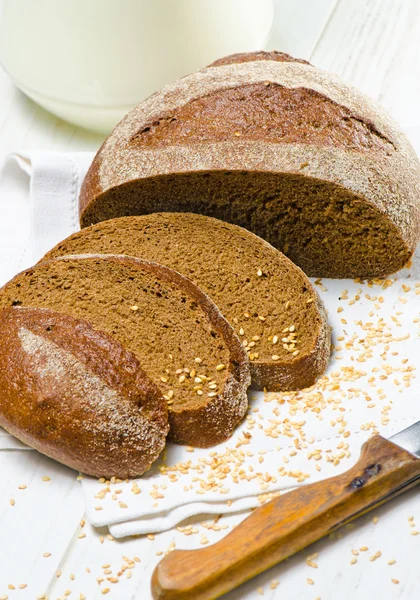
x,y
292,521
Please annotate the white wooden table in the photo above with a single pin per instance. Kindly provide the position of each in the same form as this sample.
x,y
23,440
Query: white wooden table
x,y
46,548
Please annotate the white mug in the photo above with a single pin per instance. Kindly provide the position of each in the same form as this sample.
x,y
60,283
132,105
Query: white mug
x,y
91,61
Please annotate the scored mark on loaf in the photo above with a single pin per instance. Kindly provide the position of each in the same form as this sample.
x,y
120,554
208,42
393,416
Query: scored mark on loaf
x,y
112,411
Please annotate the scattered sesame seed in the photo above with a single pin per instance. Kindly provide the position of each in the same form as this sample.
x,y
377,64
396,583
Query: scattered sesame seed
x,y
395,580
259,272
392,561
220,367
375,556
275,357
46,478
134,308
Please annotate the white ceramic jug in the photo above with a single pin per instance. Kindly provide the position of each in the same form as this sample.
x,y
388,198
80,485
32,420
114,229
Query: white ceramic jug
x,y
91,61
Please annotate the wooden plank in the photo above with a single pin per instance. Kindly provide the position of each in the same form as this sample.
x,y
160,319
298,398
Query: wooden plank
x,y
298,25
373,44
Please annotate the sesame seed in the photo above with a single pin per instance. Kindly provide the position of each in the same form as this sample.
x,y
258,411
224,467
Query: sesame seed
x,y
198,360
353,561
199,392
375,556
12,502
395,580
310,581
46,554
275,357
22,487
212,394
275,339
241,331
220,367
392,561
134,308
46,478
105,591
259,272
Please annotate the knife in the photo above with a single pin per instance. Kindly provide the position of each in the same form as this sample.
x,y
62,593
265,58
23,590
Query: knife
x,y
292,521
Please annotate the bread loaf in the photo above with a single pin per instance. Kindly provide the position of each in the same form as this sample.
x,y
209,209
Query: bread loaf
x,y
282,148
76,395
268,301
177,334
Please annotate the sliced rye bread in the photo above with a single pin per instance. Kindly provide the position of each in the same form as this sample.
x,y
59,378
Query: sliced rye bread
x,y
177,334
77,395
279,147
269,302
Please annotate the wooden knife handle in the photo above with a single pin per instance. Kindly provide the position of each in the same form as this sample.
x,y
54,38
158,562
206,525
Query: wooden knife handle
x,y
287,524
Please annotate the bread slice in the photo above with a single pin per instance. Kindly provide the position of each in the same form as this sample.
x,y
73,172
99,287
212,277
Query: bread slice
x,y
282,148
269,301
76,395
177,334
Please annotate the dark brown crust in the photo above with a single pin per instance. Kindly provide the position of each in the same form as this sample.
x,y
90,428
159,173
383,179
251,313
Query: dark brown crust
x,y
197,427
126,179
302,372
76,395
242,57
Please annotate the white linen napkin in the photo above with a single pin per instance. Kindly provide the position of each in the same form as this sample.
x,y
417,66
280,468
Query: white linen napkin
x,y
280,429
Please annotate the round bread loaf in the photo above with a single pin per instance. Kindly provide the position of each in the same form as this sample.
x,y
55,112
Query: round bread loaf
x,y
175,331
76,395
286,150
268,301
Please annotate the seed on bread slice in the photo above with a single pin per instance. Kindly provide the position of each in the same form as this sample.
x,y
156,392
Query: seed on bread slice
x,y
77,395
176,332
269,302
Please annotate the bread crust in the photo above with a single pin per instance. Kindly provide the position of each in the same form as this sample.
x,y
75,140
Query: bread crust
x,y
387,181
195,426
76,395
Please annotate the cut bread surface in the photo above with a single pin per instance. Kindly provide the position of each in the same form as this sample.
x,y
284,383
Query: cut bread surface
x,y
269,302
178,335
